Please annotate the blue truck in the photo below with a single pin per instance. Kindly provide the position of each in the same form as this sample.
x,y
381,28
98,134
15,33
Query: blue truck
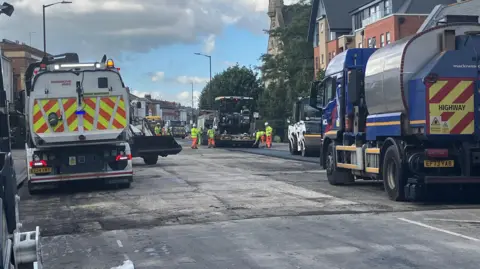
x,y
405,113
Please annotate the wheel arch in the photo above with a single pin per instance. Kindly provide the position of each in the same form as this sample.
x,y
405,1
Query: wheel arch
x,y
386,144
323,149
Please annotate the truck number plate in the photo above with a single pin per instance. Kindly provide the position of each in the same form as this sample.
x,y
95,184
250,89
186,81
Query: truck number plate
x,y
72,160
437,164
41,170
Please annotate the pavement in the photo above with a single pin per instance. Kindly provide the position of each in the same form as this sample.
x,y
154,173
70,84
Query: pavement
x,y
217,208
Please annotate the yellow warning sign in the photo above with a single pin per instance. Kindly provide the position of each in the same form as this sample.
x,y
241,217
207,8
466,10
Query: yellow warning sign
x,y
435,126
445,128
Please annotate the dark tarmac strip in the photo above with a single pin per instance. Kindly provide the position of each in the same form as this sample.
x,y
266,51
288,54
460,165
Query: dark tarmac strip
x,y
335,241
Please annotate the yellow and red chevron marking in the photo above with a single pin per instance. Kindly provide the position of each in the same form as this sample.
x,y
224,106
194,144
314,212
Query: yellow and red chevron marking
x,y
70,118
52,106
90,106
105,112
120,118
451,102
40,125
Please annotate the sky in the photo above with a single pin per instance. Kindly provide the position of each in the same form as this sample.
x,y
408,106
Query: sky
x,y
152,41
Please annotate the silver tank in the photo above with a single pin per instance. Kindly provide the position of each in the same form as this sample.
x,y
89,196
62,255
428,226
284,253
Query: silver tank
x,y
384,70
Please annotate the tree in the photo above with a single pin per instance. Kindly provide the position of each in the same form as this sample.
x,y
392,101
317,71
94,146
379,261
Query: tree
x,y
289,73
236,80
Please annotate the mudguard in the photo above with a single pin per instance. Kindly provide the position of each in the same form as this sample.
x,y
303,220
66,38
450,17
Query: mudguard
x,y
154,145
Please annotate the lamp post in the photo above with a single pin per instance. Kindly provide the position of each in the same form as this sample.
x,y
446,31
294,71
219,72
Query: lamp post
x,y
44,31
210,83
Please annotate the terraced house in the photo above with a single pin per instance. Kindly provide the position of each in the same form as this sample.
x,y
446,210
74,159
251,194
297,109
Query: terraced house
x,y
364,23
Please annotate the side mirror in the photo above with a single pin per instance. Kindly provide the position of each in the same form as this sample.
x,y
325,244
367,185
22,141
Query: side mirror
x,y
21,101
355,86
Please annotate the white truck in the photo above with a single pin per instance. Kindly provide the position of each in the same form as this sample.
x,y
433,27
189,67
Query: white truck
x,y
77,122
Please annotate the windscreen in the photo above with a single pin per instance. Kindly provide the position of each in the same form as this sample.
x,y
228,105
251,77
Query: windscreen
x,y
234,105
309,111
176,123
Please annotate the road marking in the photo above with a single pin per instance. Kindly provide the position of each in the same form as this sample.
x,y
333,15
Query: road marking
x,y
119,243
439,229
454,220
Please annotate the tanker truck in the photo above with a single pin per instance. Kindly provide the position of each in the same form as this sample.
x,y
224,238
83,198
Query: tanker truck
x,y
404,114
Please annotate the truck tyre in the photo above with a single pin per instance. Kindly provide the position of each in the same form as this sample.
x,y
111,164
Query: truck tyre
x,y
150,160
392,174
10,192
292,148
335,175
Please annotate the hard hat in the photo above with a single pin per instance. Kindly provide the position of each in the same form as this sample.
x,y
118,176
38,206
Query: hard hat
x,y
266,123
194,125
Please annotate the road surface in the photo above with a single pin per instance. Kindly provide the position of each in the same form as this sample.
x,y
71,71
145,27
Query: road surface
x,y
216,208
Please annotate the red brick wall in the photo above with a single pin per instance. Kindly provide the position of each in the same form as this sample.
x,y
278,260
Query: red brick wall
x,y
332,49
316,61
378,28
409,26
391,24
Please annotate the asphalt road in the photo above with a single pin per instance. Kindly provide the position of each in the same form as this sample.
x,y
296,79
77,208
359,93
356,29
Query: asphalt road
x,y
278,150
217,208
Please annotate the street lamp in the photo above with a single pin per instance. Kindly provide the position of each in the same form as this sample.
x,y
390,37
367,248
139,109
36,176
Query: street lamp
x,y
210,83
44,31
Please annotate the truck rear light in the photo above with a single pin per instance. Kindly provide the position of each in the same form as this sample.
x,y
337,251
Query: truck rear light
x,y
436,153
123,157
40,163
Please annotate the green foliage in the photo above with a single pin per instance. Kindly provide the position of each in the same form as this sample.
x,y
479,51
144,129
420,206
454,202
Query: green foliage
x,y
289,73
234,81
320,75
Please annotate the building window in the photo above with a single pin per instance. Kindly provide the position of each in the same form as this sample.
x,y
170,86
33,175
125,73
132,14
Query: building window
x,y
333,36
372,42
387,7
321,27
323,59
382,40
329,56
317,63
388,38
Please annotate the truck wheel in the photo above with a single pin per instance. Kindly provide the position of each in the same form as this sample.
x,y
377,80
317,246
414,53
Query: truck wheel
x,y
335,175
150,160
392,174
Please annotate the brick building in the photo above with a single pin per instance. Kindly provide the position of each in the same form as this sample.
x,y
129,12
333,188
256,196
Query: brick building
x,y
370,24
21,56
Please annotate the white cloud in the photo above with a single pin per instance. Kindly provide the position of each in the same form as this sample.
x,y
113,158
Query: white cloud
x,y
184,98
92,27
189,80
157,76
209,44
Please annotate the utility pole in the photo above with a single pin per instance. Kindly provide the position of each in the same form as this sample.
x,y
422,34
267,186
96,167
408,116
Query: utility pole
x,y
192,94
